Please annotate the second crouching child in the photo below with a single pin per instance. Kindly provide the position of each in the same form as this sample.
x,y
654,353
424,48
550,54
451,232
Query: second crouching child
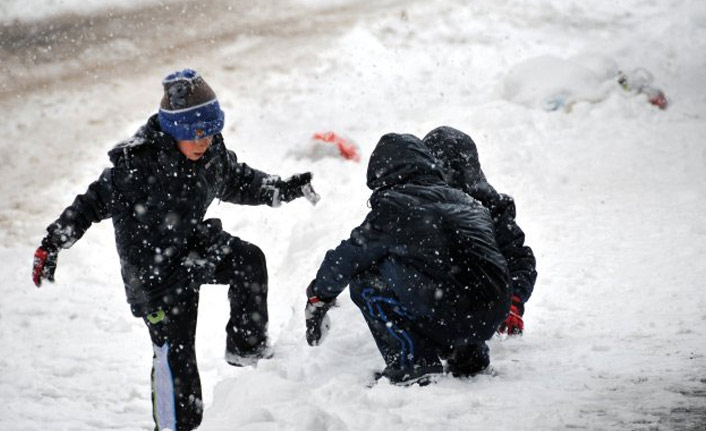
x,y
424,269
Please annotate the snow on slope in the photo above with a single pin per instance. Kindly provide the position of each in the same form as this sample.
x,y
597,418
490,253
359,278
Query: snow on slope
x,y
609,193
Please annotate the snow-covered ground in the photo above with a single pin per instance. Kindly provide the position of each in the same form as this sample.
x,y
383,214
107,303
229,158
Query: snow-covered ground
x,y
610,192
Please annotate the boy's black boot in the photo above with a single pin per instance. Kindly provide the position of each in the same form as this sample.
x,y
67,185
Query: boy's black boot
x,y
469,360
420,375
244,354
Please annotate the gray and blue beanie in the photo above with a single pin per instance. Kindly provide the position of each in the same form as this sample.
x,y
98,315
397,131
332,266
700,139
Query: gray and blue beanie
x,y
189,108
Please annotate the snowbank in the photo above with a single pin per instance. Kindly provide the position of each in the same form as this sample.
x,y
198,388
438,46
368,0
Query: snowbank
x,y
552,83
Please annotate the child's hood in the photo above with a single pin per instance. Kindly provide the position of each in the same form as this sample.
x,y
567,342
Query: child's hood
x,y
400,159
457,155
147,134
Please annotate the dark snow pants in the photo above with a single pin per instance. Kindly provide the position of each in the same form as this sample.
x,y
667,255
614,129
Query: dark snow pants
x,y
176,386
412,341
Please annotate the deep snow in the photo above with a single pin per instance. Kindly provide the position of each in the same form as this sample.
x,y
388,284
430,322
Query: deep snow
x,y
610,192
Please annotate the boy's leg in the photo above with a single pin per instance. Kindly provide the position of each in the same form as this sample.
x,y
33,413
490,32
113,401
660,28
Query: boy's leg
x,y
176,387
461,334
244,268
407,354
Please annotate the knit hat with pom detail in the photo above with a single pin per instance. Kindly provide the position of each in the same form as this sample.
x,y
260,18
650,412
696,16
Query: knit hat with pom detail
x,y
189,108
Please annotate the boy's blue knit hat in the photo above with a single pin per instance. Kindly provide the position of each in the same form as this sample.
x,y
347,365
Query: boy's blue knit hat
x,y
189,108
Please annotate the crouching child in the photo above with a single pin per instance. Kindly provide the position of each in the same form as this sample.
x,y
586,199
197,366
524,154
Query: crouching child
x,y
424,269
161,183
457,156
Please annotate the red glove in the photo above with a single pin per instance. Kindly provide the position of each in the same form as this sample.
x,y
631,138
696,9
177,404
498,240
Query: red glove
x,y
514,325
44,263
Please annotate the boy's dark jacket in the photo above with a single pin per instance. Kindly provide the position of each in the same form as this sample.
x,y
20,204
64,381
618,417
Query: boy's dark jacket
x,y
461,168
157,199
437,233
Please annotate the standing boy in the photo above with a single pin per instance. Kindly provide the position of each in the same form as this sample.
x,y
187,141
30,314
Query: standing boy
x,y
162,181
458,159
424,268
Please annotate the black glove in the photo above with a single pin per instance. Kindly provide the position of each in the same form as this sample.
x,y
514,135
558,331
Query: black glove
x,y
44,262
297,186
317,322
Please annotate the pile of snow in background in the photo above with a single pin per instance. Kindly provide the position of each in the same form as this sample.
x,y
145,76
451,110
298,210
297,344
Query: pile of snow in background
x,y
609,191
552,83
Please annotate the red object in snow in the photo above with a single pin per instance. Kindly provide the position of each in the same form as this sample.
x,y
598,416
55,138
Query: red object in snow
x,y
348,149
640,81
658,99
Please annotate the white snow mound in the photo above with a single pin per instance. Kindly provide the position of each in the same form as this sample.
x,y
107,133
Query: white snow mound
x,y
552,83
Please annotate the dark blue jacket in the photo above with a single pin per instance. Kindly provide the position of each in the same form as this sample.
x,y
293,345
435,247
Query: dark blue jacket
x,y
458,158
442,237
157,199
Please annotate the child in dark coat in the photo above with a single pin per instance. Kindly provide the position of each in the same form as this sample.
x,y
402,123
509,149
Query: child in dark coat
x,y
458,159
162,181
424,268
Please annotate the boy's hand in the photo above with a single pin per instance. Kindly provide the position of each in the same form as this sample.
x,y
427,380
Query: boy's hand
x,y
317,322
44,263
297,186
514,325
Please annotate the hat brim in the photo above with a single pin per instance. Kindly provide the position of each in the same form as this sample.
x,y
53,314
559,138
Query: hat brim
x,y
193,123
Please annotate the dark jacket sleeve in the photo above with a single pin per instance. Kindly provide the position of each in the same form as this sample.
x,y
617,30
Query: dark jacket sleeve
x,y
90,207
511,240
247,186
351,257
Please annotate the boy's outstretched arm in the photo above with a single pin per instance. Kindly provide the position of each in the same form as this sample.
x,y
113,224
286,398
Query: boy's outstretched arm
x,y
248,186
340,265
88,208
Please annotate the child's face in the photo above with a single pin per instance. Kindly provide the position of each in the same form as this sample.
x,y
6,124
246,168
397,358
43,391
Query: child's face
x,y
194,150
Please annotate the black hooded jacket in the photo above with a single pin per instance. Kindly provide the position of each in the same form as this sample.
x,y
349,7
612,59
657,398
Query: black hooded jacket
x,y
157,199
443,237
458,158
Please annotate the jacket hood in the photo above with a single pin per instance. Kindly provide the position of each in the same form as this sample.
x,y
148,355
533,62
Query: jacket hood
x,y
148,134
457,156
401,159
